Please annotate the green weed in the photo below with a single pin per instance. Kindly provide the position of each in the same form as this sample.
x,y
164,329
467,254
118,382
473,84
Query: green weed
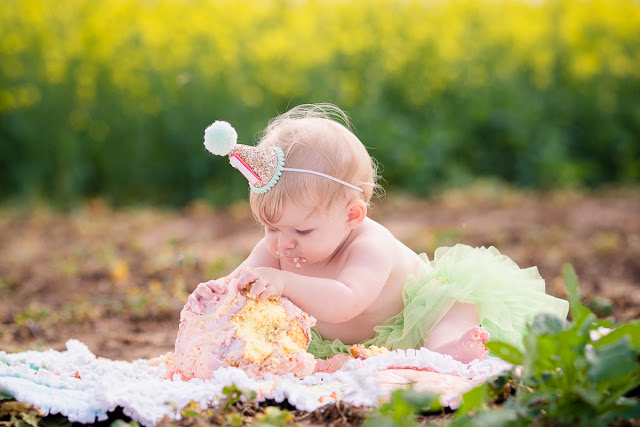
x,y
233,394
402,409
573,373
33,313
274,417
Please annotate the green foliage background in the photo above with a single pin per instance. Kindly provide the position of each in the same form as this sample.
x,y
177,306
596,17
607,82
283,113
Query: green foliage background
x,y
111,98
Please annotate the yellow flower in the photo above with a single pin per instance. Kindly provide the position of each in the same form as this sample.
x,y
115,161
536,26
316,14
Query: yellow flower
x,y
119,271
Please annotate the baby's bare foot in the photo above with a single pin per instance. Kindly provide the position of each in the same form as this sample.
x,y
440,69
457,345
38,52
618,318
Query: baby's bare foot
x,y
471,345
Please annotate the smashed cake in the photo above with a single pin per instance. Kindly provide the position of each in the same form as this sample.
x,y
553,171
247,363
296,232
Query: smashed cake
x,y
235,329
359,351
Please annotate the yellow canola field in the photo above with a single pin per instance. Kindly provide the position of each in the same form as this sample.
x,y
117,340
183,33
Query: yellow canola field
x,y
147,49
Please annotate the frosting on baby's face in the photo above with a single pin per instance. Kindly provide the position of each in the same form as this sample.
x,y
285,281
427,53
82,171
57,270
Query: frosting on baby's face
x,y
307,236
297,260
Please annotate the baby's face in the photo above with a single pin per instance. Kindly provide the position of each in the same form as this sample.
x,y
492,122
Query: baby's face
x,y
307,236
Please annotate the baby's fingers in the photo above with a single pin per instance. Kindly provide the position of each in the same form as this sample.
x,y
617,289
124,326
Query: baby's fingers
x,y
203,291
246,279
269,291
258,287
194,305
218,286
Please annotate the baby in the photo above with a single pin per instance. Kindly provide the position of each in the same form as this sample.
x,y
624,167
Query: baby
x,y
311,182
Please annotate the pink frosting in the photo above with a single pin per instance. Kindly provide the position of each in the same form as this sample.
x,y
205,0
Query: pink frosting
x,y
207,341
332,364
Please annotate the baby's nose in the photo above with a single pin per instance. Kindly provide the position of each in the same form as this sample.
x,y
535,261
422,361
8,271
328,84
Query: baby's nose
x,y
286,243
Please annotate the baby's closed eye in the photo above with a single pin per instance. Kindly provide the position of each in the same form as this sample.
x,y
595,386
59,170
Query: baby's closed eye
x,y
303,232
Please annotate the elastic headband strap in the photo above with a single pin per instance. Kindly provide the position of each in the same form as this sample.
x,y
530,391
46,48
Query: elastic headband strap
x,y
324,175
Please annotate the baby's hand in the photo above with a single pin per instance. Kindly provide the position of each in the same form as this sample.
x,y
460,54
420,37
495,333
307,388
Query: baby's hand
x,y
207,291
265,282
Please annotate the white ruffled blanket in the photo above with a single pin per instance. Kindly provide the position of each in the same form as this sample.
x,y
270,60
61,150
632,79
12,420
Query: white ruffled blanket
x,y
84,388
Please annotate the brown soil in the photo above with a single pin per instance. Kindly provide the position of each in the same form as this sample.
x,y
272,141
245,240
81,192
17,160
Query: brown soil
x,y
117,279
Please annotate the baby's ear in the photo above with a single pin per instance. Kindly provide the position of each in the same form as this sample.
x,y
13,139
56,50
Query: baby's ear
x,y
356,213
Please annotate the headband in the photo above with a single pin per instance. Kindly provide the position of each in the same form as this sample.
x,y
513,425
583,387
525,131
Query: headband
x,y
261,166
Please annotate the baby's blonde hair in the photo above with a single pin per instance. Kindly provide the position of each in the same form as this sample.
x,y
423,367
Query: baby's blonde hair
x,y
315,137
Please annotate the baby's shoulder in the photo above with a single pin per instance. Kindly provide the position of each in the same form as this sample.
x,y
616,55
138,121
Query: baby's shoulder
x,y
370,229
379,239
373,237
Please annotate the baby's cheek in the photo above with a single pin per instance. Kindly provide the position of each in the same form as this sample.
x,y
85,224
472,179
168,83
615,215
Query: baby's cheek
x,y
307,249
315,253
271,246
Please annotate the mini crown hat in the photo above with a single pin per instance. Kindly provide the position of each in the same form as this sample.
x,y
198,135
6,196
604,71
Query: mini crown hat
x,y
261,166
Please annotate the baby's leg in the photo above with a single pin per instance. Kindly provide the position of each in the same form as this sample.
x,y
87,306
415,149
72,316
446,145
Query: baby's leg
x,y
459,335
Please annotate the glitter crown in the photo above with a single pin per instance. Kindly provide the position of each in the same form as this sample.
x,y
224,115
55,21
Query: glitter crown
x,y
261,166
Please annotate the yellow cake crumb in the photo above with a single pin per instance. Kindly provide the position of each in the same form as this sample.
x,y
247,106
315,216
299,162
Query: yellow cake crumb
x,y
359,351
264,325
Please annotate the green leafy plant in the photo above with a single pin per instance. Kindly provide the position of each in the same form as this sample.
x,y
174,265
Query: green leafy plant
x,y
19,414
122,423
274,417
33,313
402,409
193,410
233,394
572,373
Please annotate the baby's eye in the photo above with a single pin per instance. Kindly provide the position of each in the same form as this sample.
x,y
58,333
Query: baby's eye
x,y
304,232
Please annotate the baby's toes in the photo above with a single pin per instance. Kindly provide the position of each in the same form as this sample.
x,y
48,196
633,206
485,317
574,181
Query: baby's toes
x,y
477,333
471,345
485,353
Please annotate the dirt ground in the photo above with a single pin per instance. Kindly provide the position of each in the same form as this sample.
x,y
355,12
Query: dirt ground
x,y
117,279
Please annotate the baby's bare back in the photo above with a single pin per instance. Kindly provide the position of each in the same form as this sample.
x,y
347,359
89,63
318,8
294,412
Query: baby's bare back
x,y
388,302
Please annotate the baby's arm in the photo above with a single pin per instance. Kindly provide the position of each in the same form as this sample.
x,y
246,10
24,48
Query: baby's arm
x,y
458,335
259,257
364,274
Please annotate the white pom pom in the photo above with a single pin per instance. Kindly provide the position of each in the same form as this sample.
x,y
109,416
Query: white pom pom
x,y
220,138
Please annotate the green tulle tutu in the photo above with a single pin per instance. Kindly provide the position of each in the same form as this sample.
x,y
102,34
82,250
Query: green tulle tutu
x,y
507,297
